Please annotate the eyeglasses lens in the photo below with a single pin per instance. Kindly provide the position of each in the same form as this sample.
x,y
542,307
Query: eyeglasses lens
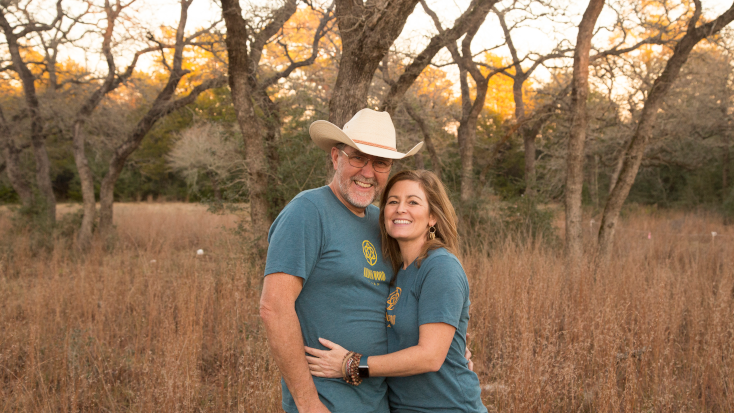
x,y
358,161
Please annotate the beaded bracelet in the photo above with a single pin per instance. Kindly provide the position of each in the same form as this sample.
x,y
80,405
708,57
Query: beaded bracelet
x,y
351,369
344,364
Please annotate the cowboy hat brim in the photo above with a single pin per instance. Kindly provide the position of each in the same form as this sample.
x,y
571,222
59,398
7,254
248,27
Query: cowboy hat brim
x,y
325,135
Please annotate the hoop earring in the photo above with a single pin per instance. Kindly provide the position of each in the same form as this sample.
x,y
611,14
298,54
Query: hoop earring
x,y
432,233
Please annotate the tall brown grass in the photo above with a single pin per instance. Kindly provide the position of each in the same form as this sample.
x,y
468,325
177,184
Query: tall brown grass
x,y
150,326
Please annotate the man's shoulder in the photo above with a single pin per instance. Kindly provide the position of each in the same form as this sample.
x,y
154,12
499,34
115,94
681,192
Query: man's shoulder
x,y
315,199
317,196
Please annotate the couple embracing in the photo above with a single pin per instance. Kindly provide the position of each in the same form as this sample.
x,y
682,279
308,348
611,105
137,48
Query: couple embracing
x,y
366,309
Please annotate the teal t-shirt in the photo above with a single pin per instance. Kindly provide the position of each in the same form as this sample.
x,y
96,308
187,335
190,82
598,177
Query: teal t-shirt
x,y
345,282
437,292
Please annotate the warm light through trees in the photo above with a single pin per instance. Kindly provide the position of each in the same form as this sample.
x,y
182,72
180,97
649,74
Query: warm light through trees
x,y
512,144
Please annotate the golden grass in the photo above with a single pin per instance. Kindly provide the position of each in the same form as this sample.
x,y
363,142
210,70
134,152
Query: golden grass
x,y
115,331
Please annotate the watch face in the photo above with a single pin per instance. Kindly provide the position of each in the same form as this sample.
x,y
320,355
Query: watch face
x,y
364,372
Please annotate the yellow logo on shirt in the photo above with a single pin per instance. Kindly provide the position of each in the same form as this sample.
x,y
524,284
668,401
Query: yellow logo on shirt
x,y
393,298
369,252
374,275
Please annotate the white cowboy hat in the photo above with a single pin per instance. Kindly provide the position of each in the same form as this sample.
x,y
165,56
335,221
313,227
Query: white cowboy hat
x,y
369,132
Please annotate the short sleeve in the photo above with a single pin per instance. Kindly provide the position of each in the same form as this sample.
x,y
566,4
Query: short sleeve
x,y
443,293
295,239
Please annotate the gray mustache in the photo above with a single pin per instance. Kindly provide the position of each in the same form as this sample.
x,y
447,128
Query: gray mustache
x,y
365,180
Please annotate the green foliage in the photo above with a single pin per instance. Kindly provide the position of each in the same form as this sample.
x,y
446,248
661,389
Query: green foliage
x,y
303,166
674,186
34,221
525,218
451,174
728,208
500,160
7,194
522,219
69,224
508,176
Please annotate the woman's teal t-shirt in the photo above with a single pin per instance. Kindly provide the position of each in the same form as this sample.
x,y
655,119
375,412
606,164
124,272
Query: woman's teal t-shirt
x,y
437,292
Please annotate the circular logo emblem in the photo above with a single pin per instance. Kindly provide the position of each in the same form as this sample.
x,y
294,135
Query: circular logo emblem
x,y
393,299
369,252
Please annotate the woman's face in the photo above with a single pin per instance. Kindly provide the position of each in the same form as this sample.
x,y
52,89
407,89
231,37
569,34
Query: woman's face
x,y
407,216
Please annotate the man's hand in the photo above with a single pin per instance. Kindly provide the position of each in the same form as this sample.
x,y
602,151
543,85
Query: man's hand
x,y
467,354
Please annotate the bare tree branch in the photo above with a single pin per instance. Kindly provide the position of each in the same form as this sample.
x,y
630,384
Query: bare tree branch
x,y
280,16
321,31
475,13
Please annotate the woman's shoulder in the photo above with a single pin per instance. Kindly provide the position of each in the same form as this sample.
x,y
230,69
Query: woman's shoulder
x,y
441,255
443,259
443,269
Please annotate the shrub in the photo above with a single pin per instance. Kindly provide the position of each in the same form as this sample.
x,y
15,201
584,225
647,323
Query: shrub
x,y
487,223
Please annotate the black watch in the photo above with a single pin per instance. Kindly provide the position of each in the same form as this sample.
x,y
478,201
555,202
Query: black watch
x,y
363,370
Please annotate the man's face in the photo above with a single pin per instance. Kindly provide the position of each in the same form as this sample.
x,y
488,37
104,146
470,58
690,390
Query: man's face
x,y
358,186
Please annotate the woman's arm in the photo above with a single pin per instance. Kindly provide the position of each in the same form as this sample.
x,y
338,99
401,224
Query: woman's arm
x,y
434,341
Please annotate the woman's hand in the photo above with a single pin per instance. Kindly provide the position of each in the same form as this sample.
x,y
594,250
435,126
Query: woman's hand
x,y
326,363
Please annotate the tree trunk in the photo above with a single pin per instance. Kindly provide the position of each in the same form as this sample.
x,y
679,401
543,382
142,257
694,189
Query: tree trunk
x,y
528,140
464,134
255,158
467,131
272,141
427,139
84,238
107,195
529,134
15,175
617,169
356,70
527,131
163,105
12,165
367,31
725,165
632,158
577,135
43,166
419,164
215,185
467,136
594,184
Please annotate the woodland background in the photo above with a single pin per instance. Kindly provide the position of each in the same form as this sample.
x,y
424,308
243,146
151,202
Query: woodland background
x,y
644,101
586,147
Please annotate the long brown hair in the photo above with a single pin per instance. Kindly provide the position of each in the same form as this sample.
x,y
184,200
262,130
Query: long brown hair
x,y
438,204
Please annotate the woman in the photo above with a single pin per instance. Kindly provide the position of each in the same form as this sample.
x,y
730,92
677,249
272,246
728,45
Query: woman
x,y
427,310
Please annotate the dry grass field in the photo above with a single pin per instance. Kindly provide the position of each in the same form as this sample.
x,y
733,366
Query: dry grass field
x,y
149,326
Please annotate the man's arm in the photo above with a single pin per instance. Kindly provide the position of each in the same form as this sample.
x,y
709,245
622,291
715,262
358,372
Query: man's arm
x,y
278,312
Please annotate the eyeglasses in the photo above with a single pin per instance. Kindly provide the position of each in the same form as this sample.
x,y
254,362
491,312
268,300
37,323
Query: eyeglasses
x,y
360,161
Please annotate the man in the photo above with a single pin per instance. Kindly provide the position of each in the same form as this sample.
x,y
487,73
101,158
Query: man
x,y
325,276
